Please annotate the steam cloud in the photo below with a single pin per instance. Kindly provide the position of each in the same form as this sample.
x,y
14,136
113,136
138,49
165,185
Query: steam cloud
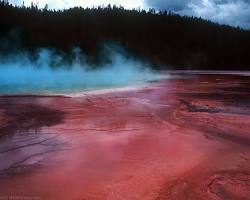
x,y
21,75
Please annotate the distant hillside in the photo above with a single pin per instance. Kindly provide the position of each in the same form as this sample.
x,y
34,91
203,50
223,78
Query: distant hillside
x,y
163,38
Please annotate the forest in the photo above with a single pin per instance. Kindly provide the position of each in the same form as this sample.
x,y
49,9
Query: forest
x,y
162,38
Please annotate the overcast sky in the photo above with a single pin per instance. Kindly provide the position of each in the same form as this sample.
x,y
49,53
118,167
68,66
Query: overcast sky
x,y
233,12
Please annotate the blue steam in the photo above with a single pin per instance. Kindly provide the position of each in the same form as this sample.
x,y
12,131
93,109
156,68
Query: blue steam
x,y
20,75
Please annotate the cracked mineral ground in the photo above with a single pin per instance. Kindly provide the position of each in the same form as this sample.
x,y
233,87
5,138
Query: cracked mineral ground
x,y
186,137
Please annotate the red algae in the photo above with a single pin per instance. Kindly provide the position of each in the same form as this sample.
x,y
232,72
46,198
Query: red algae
x,y
181,138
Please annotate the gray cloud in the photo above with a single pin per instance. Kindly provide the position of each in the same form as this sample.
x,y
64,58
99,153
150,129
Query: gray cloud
x,y
232,12
175,5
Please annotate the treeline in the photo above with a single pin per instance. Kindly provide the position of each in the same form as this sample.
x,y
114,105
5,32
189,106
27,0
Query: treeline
x,y
162,38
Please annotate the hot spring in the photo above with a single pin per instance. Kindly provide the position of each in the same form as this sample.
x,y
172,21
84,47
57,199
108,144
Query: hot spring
x,y
20,75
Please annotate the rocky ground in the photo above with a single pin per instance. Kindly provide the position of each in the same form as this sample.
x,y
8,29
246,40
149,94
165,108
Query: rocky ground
x,y
187,137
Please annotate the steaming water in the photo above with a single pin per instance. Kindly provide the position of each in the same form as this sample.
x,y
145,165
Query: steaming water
x,y
21,76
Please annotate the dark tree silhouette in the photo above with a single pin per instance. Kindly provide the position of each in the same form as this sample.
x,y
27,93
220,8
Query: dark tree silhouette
x,y
163,38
